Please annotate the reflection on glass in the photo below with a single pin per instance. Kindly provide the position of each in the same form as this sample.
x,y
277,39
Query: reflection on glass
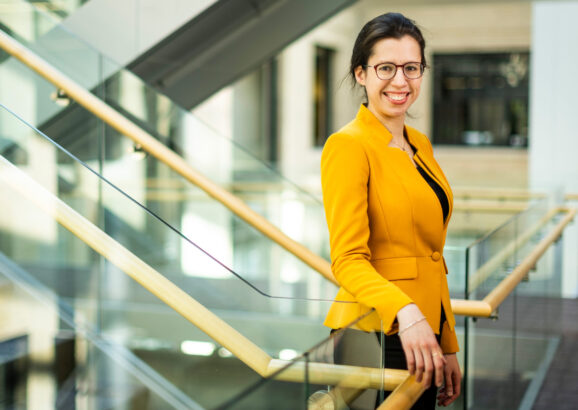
x,y
103,297
508,357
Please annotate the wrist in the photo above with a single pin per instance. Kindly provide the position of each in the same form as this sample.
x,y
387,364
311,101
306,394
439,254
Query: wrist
x,y
407,314
411,324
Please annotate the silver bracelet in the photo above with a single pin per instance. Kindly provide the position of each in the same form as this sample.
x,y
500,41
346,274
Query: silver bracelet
x,y
415,322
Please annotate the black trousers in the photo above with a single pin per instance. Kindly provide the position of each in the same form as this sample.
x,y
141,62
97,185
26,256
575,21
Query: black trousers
x,y
358,348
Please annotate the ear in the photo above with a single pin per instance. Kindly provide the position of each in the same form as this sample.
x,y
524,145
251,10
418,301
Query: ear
x,y
360,75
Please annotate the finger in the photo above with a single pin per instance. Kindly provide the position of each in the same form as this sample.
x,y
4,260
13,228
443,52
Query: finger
x,y
419,365
449,384
428,368
410,359
444,400
439,362
449,400
457,380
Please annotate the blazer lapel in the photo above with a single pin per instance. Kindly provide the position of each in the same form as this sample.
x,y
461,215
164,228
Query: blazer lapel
x,y
428,163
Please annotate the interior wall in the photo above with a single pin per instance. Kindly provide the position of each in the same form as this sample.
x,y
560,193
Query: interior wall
x,y
477,27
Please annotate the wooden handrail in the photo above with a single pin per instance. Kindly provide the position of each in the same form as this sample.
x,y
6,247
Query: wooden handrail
x,y
407,393
404,396
499,194
182,303
487,206
507,285
154,147
484,271
485,307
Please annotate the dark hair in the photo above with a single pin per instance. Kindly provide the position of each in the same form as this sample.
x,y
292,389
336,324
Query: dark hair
x,y
389,25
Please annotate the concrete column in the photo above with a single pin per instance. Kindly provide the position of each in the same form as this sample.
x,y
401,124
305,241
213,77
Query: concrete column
x,y
553,96
553,147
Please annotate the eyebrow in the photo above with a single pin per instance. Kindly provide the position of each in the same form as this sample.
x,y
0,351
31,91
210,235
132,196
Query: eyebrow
x,y
391,62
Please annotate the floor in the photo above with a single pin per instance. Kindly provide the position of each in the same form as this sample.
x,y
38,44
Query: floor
x,y
560,388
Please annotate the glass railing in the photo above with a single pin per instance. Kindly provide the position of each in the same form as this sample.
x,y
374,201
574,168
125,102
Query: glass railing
x,y
53,359
276,314
507,357
366,379
101,295
59,9
358,379
148,180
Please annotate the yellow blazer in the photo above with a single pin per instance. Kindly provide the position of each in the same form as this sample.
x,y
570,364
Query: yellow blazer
x,y
386,228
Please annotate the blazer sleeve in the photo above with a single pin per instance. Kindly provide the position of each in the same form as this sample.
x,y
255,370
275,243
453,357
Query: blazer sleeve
x,y
345,174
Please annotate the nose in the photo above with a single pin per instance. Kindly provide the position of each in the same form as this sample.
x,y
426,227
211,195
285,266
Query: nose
x,y
399,77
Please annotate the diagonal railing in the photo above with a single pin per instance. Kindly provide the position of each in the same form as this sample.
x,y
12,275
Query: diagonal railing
x,y
486,307
164,154
174,297
407,393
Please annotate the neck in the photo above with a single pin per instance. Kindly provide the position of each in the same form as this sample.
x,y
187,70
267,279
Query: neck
x,y
396,128
395,125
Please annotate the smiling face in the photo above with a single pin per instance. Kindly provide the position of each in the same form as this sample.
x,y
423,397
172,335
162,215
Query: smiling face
x,y
389,100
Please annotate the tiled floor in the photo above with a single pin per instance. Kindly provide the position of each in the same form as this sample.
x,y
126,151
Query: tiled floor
x,y
560,388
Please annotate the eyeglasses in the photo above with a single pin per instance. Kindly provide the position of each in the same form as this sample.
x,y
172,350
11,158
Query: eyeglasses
x,y
386,71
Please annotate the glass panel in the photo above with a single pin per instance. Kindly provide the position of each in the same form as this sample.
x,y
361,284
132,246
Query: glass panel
x,y
102,296
354,356
326,375
294,210
51,359
58,9
508,357
124,311
192,218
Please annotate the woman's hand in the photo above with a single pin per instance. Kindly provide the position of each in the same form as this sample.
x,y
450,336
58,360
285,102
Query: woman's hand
x,y
422,351
453,380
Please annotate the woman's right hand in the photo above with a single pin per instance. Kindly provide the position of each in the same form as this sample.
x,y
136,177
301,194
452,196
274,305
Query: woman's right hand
x,y
422,351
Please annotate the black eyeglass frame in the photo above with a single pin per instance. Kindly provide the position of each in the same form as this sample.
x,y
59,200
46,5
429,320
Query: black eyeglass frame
x,y
422,67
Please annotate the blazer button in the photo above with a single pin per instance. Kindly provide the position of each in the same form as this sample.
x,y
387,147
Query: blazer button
x,y
436,256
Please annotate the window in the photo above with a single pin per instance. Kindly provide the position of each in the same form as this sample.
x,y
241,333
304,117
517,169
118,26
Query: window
x,y
481,99
323,94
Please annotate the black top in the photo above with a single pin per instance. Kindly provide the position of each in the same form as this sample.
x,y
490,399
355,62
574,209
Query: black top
x,y
438,191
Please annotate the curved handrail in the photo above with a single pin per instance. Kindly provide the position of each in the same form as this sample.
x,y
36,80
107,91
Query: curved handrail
x,y
498,194
404,396
489,207
484,271
407,393
164,154
488,305
182,303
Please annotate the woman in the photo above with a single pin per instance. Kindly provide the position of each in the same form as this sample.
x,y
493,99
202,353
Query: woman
x,y
387,205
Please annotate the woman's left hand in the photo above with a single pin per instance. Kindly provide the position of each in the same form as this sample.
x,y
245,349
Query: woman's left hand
x,y
452,381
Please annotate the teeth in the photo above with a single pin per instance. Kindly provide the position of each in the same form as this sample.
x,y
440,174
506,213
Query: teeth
x,y
397,97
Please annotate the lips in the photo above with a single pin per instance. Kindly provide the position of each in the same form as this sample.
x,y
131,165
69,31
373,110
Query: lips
x,y
397,98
